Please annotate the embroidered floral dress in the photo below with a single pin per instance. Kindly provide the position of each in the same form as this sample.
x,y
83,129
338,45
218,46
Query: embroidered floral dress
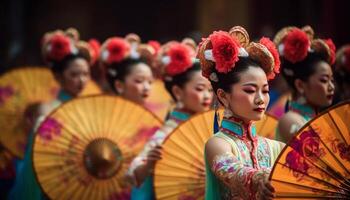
x,y
145,190
305,111
235,175
26,185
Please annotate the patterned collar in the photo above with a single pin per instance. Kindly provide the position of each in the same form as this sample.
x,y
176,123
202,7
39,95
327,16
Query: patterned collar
x,y
179,115
236,127
63,96
306,111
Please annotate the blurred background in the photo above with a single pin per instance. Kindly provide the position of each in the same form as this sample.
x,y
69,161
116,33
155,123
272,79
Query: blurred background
x,y
23,22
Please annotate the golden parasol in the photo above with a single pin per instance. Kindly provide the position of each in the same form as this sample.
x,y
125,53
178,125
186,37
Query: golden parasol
x,y
83,148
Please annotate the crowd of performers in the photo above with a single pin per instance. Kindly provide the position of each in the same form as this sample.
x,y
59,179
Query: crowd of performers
x,y
225,70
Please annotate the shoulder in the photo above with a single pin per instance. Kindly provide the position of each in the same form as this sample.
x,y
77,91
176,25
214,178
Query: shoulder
x,y
217,145
290,123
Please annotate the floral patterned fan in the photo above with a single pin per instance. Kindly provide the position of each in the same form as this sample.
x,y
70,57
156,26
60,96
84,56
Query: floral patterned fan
x,y
83,148
20,90
315,164
180,174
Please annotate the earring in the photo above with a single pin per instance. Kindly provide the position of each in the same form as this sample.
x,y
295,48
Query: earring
x,y
228,112
301,99
179,104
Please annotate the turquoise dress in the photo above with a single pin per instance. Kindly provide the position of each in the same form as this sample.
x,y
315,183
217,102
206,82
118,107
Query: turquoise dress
x,y
26,185
145,190
236,174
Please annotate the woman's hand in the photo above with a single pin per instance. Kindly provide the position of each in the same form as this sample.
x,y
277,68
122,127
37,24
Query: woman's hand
x,y
153,156
266,191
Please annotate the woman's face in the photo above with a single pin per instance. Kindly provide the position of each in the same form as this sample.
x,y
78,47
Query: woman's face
x,y
74,78
319,88
248,99
197,93
137,85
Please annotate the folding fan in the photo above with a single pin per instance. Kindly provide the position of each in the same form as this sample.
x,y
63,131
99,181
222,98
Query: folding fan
x,y
91,88
160,101
83,148
266,127
180,174
315,164
21,89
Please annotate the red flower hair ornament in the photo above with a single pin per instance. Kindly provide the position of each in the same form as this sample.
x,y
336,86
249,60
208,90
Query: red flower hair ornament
x,y
114,50
221,50
58,46
177,59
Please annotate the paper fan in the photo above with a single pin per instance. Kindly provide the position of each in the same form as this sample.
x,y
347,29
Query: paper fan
x,y
83,148
20,90
315,164
160,101
266,127
91,88
180,174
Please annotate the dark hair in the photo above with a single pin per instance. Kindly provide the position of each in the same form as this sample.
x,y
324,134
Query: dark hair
x,y
61,66
225,81
180,80
301,70
122,69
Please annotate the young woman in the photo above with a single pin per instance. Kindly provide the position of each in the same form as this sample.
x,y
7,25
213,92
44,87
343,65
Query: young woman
x,y
69,60
342,74
127,68
238,160
192,94
306,66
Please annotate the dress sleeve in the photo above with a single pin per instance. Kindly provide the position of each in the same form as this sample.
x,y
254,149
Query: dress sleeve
x,y
242,179
141,159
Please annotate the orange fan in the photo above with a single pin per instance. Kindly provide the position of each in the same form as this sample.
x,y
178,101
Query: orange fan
x,y
180,174
160,101
83,149
315,164
20,91
266,127
91,88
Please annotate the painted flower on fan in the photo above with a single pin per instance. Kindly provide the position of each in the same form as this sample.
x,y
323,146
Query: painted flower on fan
x,y
5,93
311,145
180,59
273,50
96,47
297,164
59,47
116,50
332,49
296,45
50,128
225,51
344,151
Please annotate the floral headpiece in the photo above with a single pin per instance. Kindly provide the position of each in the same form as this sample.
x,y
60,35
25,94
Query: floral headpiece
x,y
294,44
58,44
343,58
175,57
222,50
117,49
